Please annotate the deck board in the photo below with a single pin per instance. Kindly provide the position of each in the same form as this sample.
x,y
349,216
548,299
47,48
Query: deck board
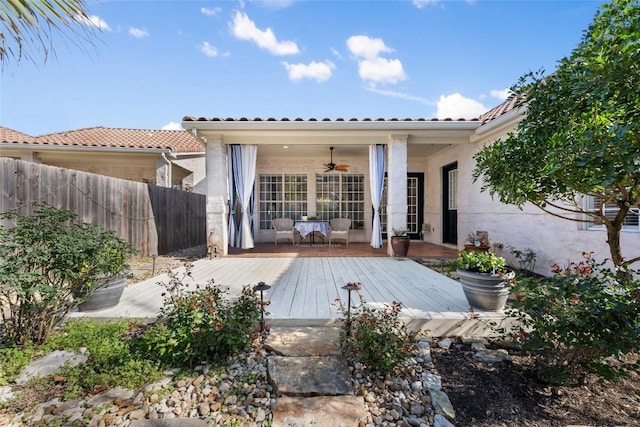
x,y
304,289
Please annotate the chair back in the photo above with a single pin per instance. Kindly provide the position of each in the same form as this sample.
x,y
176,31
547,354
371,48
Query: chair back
x,y
282,224
340,224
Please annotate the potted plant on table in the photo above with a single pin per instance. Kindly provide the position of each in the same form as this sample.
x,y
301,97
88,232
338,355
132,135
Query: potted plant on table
x,y
478,241
400,241
484,278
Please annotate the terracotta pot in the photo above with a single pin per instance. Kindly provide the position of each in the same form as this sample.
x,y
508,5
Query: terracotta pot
x,y
400,246
484,290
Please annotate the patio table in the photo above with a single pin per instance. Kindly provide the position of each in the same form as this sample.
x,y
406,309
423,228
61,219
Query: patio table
x,y
310,227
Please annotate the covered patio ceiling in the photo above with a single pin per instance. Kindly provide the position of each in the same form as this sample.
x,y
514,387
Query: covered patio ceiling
x,y
322,152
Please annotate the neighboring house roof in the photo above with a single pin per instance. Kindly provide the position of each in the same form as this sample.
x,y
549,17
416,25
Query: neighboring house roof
x,y
13,136
178,141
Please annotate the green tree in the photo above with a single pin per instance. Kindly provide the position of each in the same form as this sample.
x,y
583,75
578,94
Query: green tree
x,y
26,26
580,134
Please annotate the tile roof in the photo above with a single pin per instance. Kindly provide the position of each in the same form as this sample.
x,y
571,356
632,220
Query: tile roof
x,y
178,141
313,119
10,135
492,114
499,110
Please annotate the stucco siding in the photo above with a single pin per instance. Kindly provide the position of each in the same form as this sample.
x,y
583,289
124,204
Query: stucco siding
x,y
554,240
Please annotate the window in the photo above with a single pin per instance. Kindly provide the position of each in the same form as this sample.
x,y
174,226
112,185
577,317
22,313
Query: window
x,y
610,210
453,190
413,200
341,196
282,196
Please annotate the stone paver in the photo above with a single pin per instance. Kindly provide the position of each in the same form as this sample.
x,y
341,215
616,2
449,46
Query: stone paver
x,y
309,376
182,422
49,364
304,341
312,379
334,411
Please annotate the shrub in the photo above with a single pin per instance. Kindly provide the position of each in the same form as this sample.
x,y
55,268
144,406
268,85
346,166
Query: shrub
x,y
374,337
200,325
113,360
526,259
480,262
45,260
584,320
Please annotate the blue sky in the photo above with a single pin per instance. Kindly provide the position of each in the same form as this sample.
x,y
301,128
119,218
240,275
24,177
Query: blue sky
x,y
157,61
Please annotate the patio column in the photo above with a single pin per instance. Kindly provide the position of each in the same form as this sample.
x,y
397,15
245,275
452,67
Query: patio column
x,y
396,185
217,194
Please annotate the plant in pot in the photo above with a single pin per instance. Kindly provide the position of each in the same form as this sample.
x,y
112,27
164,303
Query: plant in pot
x,y
478,241
107,271
400,241
484,278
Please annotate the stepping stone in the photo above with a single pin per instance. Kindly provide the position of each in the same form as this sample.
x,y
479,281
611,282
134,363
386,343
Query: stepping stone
x,y
334,411
304,341
50,364
490,356
176,422
309,376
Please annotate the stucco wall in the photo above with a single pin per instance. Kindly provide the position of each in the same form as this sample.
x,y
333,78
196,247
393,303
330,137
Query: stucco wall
x,y
554,240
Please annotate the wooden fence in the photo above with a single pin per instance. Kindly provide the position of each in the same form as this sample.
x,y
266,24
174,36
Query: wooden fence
x,y
155,220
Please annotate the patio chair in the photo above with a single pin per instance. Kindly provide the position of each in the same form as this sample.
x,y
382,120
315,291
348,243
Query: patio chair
x,y
283,229
339,228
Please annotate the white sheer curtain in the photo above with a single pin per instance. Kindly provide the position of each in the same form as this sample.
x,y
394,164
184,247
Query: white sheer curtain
x,y
233,226
244,174
376,178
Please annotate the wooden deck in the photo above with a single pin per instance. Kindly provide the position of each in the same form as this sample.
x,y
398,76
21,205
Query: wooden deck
x,y
304,289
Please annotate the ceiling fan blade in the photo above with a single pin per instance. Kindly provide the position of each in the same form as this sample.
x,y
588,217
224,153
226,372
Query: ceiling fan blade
x,y
342,168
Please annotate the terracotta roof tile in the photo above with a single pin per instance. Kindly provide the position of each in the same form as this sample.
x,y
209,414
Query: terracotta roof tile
x,y
325,119
13,136
178,141
499,110
492,114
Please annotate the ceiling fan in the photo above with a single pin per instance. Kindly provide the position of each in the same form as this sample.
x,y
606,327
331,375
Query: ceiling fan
x,y
333,167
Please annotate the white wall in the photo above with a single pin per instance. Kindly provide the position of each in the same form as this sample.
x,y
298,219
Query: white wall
x,y
554,240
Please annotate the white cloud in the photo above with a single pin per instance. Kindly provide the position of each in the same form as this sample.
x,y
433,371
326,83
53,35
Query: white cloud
x,y
502,94
244,28
274,4
381,70
401,95
373,68
138,33
208,50
172,126
94,21
366,47
318,71
456,106
423,3
210,11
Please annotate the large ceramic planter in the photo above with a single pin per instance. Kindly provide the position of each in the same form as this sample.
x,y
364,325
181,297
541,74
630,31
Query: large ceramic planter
x,y
400,246
106,295
485,291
